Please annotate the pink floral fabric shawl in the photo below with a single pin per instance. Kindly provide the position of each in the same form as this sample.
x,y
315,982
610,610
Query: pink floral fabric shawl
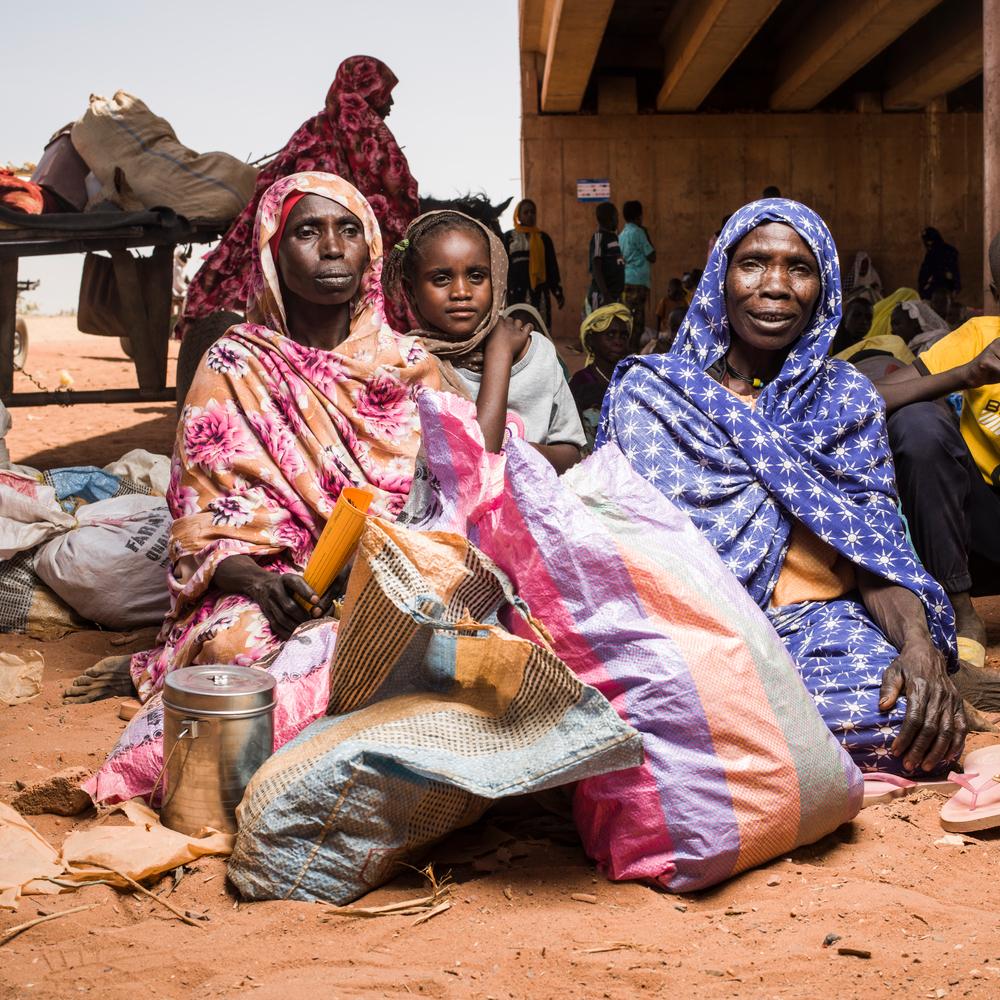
x,y
270,434
348,138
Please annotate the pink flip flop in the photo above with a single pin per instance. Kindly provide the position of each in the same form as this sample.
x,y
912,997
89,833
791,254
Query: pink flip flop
x,y
985,759
883,787
976,806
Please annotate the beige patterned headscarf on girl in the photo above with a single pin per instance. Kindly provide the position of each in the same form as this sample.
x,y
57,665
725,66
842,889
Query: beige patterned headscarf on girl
x,y
466,353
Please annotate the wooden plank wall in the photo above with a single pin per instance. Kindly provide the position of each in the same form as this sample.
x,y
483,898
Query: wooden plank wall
x,y
877,179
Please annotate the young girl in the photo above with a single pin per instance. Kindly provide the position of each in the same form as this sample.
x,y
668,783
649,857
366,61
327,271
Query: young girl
x,y
453,270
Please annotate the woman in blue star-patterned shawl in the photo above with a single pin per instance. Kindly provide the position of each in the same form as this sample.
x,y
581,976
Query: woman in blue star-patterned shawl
x,y
774,449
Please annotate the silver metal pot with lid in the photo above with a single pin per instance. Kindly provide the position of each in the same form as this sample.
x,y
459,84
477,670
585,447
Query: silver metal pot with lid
x,y
218,728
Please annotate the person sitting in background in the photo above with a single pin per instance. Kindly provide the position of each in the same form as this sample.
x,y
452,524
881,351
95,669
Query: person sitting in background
x,y
532,268
638,253
854,325
673,299
949,477
605,261
665,340
863,279
605,336
923,325
939,268
880,338
689,282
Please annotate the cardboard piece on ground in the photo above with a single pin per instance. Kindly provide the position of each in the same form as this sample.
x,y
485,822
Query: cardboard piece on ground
x,y
20,677
25,856
140,850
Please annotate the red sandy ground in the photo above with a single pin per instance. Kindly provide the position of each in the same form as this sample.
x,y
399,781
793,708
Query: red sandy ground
x,y
926,912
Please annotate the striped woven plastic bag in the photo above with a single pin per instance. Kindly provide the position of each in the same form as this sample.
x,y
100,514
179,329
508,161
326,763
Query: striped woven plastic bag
x,y
739,767
435,710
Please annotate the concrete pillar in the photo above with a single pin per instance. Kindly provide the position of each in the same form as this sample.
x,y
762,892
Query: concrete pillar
x,y
991,139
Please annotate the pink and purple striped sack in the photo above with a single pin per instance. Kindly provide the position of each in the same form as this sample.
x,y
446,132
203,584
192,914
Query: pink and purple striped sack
x,y
739,767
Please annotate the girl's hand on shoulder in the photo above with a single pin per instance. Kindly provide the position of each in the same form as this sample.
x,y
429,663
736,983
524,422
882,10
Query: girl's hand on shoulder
x,y
509,338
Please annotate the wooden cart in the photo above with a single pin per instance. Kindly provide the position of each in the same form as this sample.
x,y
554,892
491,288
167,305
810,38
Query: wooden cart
x,y
146,304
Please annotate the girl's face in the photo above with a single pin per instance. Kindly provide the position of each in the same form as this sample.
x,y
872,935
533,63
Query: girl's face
x,y
452,290
610,345
902,324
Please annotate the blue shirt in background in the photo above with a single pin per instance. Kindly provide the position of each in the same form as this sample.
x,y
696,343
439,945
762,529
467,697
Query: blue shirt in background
x,y
636,248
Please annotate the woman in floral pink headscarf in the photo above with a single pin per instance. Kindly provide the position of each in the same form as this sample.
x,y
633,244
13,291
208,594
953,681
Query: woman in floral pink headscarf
x,y
349,138
313,394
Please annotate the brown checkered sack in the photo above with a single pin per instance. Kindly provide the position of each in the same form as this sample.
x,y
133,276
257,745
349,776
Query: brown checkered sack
x,y
436,711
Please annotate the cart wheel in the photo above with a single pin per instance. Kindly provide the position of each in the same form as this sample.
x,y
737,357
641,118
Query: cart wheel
x,y
20,342
126,346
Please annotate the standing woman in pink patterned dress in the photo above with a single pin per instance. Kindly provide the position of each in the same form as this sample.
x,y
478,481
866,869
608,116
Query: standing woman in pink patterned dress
x,y
348,138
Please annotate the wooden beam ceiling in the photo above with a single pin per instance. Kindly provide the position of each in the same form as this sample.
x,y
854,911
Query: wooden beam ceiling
x,y
940,54
536,22
577,27
702,42
838,42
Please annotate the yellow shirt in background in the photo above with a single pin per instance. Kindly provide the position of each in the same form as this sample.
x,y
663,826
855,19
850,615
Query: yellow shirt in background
x,y
981,410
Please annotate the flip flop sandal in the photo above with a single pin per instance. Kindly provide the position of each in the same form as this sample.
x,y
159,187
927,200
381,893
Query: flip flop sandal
x,y
976,806
883,787
984,760
971,651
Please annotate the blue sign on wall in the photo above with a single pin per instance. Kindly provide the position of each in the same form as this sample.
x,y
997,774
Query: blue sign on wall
x,y
593,189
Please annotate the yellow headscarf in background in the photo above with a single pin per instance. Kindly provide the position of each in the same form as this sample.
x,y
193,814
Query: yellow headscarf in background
x,y
599,320
880,336
882,313
536,250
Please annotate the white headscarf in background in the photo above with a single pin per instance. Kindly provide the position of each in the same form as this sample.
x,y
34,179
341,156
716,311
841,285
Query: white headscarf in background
x,y
932,326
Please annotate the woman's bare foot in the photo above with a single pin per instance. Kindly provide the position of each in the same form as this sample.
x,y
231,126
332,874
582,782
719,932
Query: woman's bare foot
x,y
967,620
108,678
980,688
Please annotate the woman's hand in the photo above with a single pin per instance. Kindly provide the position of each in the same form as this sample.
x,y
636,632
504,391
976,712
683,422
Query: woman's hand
x,y
935,726
274,592
985,368
276,596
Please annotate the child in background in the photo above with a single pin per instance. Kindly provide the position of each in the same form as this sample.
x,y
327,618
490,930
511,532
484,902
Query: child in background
x,y
638,254
604,335
607,266
664,341
453,271
690,283
674,299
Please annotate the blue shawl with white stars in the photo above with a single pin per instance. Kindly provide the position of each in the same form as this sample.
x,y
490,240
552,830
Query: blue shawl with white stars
x,y
814,448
